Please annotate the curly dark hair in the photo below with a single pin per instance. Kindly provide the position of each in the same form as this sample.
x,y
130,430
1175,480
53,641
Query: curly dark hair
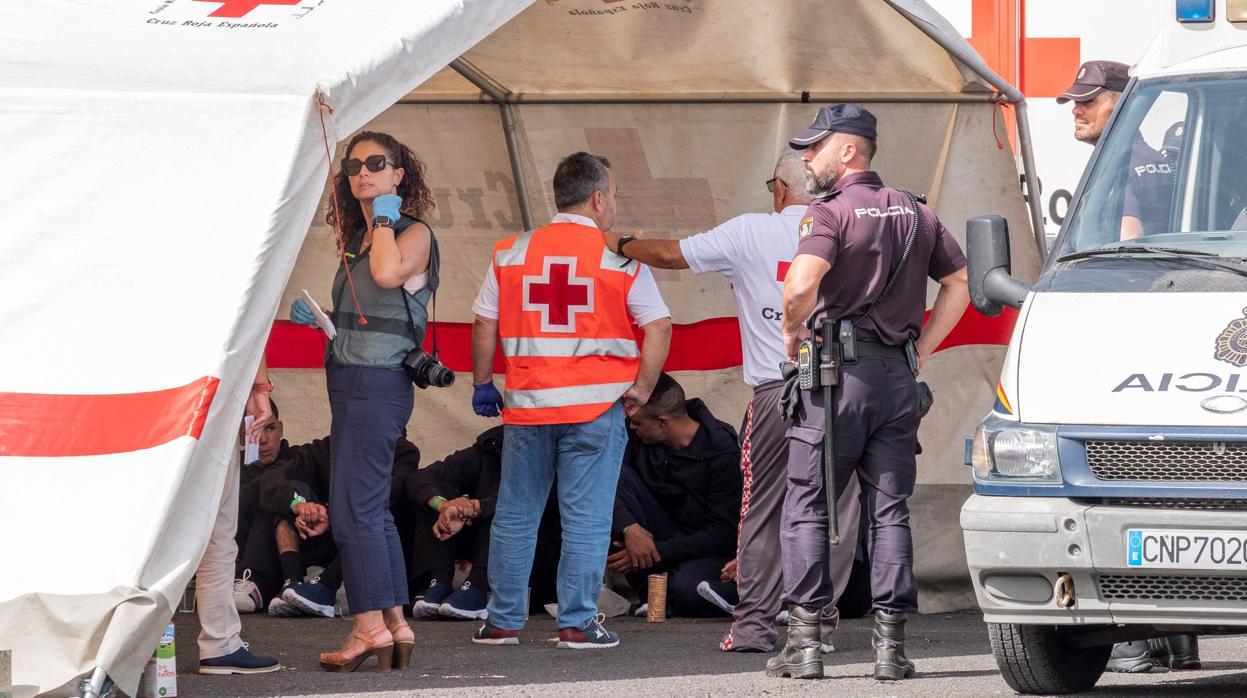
x,y
414,190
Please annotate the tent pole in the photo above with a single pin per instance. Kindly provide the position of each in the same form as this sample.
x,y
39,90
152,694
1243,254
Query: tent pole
x,y
967,56
517,168
1033,195
499,94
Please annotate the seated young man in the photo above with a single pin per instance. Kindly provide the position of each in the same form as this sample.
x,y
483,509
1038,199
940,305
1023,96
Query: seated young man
x,y
678,501
291,531
452,502
273,447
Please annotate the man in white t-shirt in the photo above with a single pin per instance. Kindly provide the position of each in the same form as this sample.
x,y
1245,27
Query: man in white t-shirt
x,y
753,251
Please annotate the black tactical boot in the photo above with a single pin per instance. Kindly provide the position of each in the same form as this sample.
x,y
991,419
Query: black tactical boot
x,y
1131,657
801,657
891,664
1176,651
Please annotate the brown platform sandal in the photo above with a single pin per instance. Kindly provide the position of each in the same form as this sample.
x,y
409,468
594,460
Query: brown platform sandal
x,y
339,662
402,648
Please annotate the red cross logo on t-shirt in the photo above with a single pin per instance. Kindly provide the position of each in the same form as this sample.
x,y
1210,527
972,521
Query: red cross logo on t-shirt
x,y
239,8
558,294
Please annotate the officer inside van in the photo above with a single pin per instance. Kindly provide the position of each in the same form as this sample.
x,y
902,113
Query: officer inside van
x,y
1148,193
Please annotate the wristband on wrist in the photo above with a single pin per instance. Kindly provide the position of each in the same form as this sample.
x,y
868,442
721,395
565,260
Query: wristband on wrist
x,y
262,387
625,529
619,247
438,501
298,499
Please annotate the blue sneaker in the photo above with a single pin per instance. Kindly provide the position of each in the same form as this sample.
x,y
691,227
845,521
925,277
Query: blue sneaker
x,y
593,636
311,597
429,605
240,661
465,604
489,635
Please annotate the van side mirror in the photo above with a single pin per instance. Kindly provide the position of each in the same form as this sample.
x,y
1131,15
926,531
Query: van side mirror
x,y
987,252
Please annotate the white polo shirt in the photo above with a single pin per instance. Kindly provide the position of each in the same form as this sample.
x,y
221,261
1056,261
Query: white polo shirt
x,y
645,303
753,251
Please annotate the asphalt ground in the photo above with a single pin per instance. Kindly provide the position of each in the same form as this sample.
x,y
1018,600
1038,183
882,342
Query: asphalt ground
x,y
676,658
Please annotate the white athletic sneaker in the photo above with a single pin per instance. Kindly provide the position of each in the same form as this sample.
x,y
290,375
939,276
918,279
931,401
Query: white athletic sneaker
x,y
247,597
279,608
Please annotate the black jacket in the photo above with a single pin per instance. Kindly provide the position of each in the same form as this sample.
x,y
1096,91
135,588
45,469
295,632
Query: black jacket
x,y
306,472
249,481
474,471
699,487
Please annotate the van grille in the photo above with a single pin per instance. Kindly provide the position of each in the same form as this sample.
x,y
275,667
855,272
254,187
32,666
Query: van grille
x,y
1168,460
1150,503
1145,587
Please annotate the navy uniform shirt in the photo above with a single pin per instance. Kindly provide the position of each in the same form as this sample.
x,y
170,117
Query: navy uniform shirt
x,y
860,228
1149,188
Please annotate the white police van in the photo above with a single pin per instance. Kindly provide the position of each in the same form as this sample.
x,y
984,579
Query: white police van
x,y
1111,476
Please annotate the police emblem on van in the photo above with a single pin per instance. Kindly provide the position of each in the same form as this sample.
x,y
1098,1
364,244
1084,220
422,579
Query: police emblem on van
x,y
1232,344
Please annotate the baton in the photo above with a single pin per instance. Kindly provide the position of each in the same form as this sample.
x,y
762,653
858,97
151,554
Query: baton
x,y
830,377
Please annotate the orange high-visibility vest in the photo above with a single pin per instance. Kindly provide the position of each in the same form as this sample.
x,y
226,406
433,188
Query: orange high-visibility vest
x,y
564,326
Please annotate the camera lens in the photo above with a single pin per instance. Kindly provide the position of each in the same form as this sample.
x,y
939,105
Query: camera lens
x,y
441,377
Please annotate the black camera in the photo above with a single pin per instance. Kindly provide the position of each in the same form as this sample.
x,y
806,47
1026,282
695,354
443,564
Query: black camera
x,y
425,370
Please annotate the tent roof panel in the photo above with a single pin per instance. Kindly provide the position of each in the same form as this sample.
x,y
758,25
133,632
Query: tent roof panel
x,y
695,49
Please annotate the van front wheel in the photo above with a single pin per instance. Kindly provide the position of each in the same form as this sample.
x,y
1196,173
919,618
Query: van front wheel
x,y
1038,659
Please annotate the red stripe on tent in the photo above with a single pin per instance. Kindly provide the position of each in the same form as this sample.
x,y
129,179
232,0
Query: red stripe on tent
x,y
976,328
700,346
40,425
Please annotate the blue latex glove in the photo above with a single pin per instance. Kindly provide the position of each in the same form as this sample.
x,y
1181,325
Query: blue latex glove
x,y
301,313
387,205
486,400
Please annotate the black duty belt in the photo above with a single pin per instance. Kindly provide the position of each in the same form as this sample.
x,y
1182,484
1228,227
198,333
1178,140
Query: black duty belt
x,y
868,348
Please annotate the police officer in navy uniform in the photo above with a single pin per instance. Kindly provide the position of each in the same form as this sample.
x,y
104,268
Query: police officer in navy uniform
x,y
852,240
1149,176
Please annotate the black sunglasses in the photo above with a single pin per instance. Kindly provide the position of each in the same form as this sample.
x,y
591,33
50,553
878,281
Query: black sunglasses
x,y
770,184
374,163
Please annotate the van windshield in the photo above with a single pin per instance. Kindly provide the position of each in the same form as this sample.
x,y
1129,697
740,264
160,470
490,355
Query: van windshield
x,y
1172,173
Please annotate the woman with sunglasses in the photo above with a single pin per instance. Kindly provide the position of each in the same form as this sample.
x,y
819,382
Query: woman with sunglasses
x,y
379,297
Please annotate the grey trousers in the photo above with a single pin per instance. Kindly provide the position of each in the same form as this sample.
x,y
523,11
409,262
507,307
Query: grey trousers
x,y
764,467
876,436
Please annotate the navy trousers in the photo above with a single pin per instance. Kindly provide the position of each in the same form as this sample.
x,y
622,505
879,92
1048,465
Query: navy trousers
x,y
683,576
876,436
370,407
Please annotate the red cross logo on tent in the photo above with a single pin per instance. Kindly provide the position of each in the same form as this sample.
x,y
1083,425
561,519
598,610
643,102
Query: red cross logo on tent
x,y
558,294
239,8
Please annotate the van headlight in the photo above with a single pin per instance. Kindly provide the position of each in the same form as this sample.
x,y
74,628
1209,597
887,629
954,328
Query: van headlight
x,y
1005,450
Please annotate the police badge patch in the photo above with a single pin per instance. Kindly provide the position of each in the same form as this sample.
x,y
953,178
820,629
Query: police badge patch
x,y
807,224
1232,344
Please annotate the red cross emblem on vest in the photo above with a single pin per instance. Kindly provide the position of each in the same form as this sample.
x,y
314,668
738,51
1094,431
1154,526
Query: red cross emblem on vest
x,y
558,294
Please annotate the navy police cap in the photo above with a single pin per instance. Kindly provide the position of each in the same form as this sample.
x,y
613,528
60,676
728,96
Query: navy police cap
x,y
1095,77
838,118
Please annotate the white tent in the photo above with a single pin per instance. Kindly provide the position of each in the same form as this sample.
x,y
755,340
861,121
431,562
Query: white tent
x,y
167,157
692,102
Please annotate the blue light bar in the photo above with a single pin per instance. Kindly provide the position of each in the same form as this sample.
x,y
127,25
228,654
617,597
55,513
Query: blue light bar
x,y
1191,11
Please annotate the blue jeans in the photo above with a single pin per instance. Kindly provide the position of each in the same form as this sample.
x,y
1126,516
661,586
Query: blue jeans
x,y
585,460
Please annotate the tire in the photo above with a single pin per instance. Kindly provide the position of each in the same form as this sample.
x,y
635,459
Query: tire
x,y
1036,659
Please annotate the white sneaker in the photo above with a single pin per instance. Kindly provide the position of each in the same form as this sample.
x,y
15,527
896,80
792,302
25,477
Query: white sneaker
x,y
246,594
279,608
